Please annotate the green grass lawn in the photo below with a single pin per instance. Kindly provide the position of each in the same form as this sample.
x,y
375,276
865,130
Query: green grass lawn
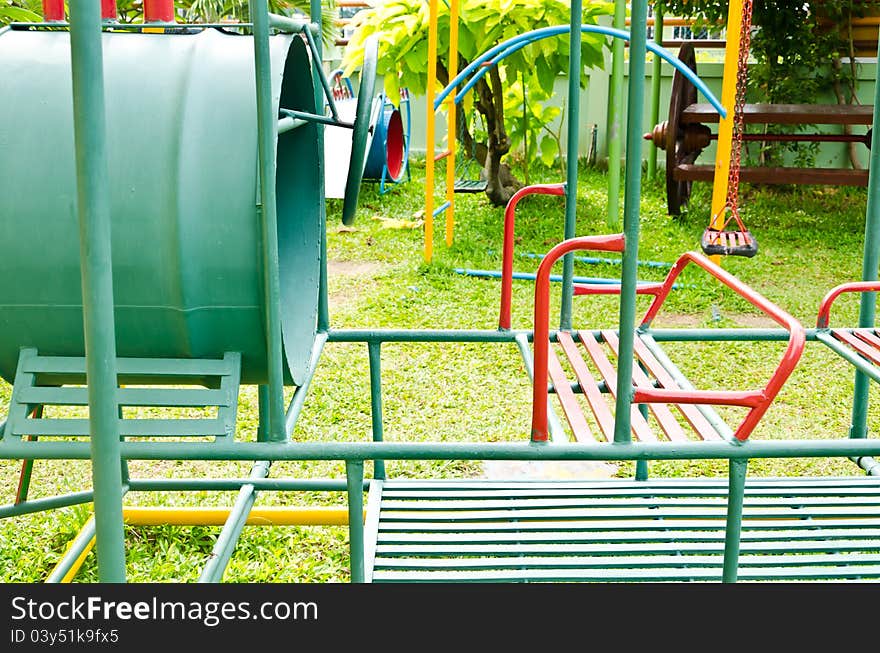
x,y
810,240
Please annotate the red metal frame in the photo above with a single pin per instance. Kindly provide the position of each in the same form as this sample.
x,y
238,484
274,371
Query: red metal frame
x,y
507,248
53,11
611,243
159,11
824,317
757,400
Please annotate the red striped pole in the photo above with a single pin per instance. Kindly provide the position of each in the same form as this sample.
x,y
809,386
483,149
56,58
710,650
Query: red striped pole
x,y
53,11
158,11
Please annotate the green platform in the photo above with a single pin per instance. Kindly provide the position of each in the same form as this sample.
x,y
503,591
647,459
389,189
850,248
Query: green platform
x,y
620,530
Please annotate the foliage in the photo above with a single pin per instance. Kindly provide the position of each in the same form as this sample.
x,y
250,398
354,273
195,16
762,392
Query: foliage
x,y
402,30
797,47
19,11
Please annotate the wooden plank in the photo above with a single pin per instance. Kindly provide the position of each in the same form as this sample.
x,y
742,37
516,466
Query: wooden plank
x,y
778,175
702,427
573,413
640,427
859,345
787,114
664,415
588,384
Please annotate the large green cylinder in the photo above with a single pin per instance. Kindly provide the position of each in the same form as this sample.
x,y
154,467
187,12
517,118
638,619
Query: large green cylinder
x,y
182,144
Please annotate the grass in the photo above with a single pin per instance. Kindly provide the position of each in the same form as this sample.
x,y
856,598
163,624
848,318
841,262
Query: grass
x,y
810,240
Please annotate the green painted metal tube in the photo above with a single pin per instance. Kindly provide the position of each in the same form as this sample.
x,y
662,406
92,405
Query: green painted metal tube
x,y
631,215
425,335
315,9
690,450
234,484
656,70
870,261
354,473
721,335
263,408
571,159
183,195
300,394
47,503
613,133
736,491
235,523
266,137
375,354
291,24
73,553
95,262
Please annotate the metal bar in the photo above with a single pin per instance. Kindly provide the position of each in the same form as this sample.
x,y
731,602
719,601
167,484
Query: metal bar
x,y
216,516
315,11
571,159
96,268
374,353
266,123
48,503
263,409
319,73
631,216
233,484
354,474
292,24
371,527
76,553
864,367
427,335
737,482
228,538
315,117
615,111
445,205
451,450
289,124
451,124
299,396
27,468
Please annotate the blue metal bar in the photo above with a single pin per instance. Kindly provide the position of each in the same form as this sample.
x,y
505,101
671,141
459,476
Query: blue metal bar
x,y
530,276
441,208
521,40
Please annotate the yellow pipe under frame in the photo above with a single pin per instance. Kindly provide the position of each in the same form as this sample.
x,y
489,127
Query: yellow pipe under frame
x,y
214,516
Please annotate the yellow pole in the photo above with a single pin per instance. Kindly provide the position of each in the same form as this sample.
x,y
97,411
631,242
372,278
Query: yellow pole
x,y
209,516
451,124
725,127
429,130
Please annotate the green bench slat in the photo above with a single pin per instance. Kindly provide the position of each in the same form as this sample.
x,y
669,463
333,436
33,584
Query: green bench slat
x,y
452,484
131,427
171,367
158,397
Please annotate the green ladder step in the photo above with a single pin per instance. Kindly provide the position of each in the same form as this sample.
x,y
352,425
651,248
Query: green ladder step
x,y
53,381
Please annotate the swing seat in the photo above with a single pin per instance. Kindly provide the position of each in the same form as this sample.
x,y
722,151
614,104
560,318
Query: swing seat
x,y
728,243
470,185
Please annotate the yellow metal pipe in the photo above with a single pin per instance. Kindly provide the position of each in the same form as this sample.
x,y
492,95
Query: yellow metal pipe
x,y
725,127
210,516
451,122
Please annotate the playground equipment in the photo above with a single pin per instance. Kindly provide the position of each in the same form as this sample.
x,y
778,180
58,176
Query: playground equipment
x,y
414,530
388,156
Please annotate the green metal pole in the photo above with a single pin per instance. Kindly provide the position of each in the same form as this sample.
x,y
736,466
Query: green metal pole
x,y
263,407
870,260
266,126
642,465
632,192
574,94
656,69
73,552
354,474
613,134
323,287
374,351
93,192
235,523
733,530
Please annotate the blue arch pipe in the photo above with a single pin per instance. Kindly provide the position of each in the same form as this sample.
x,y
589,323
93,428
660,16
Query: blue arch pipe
x,y
516,43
